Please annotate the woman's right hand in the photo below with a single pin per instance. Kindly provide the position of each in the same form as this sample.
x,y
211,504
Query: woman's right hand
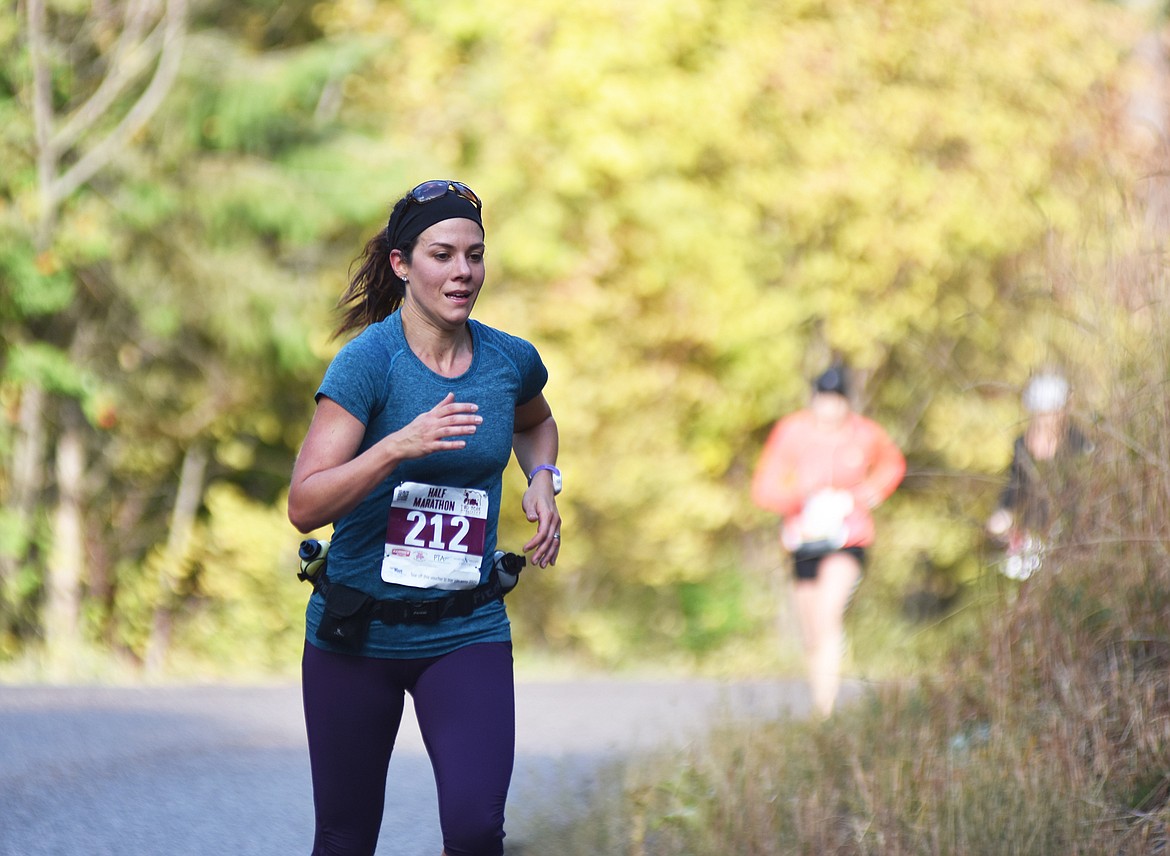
x,y
442,428
330,478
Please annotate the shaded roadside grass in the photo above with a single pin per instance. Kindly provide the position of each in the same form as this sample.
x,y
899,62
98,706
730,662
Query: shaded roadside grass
x,y
1053,738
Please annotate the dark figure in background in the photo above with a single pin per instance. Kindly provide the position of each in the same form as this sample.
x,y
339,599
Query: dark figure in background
x,y
417,418
1033,506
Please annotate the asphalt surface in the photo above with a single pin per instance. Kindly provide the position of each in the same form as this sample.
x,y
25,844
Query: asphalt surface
x,y
172,771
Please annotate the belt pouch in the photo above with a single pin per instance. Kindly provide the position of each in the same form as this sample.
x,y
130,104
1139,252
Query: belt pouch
x,y
346,618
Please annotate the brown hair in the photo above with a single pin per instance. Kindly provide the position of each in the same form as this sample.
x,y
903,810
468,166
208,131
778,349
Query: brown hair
x,y
375,291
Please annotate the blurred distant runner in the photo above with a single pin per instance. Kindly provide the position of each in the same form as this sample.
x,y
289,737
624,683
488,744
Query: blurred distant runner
x,y
823,469
1029,515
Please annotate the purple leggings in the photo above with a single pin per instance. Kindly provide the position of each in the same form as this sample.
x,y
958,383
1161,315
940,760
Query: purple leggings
x,y
466,710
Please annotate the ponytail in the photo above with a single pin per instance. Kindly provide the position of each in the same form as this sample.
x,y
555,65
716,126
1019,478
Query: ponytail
x,y
375,291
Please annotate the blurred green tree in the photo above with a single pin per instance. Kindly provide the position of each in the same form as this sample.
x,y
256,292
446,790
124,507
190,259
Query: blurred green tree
x,y
696,206
90,83
159,298
690,209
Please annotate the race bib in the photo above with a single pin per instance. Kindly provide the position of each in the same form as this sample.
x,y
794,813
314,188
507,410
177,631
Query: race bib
x,y
435,536
821,523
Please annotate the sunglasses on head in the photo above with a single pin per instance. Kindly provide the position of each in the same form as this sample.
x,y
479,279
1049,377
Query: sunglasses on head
x,y
429,191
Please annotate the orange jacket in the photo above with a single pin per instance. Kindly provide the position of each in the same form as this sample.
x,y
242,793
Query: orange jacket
x,y
801,458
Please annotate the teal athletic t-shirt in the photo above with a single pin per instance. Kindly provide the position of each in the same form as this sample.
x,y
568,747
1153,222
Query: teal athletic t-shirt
x,y
379,380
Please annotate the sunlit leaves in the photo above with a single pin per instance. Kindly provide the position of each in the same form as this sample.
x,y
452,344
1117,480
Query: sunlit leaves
x,y
33,284
691,206
46,366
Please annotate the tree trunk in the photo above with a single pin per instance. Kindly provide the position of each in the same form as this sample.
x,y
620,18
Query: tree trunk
x,y
188,499
67,559
28,457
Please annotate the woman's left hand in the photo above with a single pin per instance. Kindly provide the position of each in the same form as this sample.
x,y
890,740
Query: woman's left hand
x,y
540,506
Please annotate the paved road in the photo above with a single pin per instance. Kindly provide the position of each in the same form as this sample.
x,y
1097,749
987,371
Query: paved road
x,y
172,771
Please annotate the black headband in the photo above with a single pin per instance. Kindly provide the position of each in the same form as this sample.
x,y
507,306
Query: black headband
x,y
410,219
832,380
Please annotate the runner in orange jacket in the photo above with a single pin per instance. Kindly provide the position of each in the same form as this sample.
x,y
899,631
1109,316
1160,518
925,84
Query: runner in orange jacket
x,y
823,470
